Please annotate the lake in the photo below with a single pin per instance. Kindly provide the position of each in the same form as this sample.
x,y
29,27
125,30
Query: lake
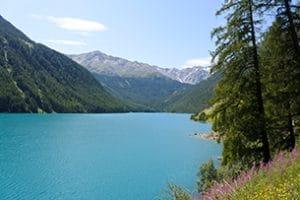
x,y
131,156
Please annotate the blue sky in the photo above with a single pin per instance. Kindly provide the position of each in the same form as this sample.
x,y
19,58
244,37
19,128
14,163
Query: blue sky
x,y
165,33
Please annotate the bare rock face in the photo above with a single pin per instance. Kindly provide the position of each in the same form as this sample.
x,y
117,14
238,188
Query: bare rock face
x,y
100,63
191,75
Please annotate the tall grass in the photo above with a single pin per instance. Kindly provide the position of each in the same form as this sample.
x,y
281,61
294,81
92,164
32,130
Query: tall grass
x,y
278,179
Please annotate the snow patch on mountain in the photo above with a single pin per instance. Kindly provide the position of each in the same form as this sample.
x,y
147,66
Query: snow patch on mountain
x,y
100,63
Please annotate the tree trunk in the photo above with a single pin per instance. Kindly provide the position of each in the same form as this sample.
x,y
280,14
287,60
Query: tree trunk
x,y
261,110
292,137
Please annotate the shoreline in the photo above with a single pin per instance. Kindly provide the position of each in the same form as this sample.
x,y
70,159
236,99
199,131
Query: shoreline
x,y
207,136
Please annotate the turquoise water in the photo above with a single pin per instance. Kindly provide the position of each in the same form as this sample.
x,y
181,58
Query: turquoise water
x,y
99,156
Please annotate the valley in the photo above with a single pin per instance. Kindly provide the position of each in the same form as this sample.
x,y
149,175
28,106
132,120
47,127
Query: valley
x,y
150,87
35,78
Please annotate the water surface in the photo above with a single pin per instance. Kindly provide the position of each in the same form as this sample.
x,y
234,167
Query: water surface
x,y
99,156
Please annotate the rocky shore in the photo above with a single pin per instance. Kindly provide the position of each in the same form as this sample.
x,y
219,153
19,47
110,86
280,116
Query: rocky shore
x,y
207,136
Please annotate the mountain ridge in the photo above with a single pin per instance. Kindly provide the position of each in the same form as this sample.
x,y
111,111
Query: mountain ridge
x,y
193,99
160,89
101,63
35,78
190,75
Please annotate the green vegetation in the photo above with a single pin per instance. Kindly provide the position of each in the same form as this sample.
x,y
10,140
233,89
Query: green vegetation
x,y
34,78
256,105
194,98
150,87
238,95
280,67
148,92
175,192
161,94
278,179
207,174
279,182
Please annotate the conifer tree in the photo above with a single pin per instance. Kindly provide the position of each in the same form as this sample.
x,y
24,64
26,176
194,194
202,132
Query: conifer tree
x,y
238,107
281,79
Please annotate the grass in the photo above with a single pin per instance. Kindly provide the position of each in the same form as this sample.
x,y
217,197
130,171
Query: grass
x,y
277,180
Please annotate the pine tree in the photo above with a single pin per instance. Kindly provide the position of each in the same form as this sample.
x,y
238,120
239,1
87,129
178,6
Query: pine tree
x,y
289,13
292,18
281,72
238,105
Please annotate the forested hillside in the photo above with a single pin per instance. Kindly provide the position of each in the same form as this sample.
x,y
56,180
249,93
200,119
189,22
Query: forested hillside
x,y
35,78
148,92
150,86
194,98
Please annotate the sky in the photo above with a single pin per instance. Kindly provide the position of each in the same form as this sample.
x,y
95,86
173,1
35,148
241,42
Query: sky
x,y
165,33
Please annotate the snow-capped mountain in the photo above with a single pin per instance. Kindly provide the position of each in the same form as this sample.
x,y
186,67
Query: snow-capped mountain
x,y
192,75
100,63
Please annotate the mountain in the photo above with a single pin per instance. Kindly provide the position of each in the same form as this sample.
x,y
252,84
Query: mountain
x,y
139,83
193,99
147,92
35,78
134,82
100,63
191,75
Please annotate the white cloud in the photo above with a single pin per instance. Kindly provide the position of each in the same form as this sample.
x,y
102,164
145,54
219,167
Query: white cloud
x,y
204,62
68,42
73,24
